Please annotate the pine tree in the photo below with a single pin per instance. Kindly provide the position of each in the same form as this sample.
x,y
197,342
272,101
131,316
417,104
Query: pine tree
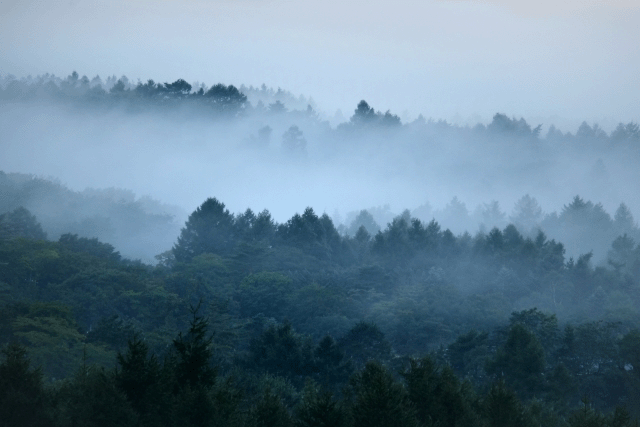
x,y
209,229
139,376
586,416
270,412
317,408
379,400
503,409
22,400
194,354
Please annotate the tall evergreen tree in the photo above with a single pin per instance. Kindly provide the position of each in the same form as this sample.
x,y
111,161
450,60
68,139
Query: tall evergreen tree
x,y
317,408
380,401
193,365
139,377
209,229
22,398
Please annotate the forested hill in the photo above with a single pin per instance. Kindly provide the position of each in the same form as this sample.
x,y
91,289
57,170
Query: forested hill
x,y
231,101
140,227
230,135
299,300
439,315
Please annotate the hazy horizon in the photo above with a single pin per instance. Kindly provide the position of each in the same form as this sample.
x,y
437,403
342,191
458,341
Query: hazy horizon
x,y
462,61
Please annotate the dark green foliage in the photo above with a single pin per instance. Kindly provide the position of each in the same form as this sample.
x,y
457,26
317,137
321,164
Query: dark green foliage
x,y
51,333
92,399
544,326
620,418
561,386
467,354
89,246
263,228
264,293
503,409
226,99
520,360
209,229
315,235
438,396
139,376
195,407
281,351
594,344
378,400
112,330
20,223
22,397
193,355
270,412
318,408
226,401
630,351
443,286
331,365
365,342
586,416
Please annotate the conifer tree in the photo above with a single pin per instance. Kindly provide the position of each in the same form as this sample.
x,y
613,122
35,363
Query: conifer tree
x,y
317,408
209,229
193,365
380,401
270,412
503,409
139,377
22,399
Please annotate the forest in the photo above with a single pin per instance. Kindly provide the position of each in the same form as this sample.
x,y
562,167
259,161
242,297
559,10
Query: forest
x,y
124,310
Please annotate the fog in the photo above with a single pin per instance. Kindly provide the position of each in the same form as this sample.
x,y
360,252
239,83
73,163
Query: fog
x,y
329,192
183,160
444,68
568,62
180,152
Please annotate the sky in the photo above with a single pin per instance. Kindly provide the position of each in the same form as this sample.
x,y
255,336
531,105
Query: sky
x,y
547,61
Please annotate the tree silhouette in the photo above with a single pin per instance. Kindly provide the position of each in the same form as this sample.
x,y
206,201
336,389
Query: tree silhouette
x,y
363,114
193,349
209,229
293,141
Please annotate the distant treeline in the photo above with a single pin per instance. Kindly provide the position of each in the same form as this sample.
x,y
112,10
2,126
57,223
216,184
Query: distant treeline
x,y
142,227
225,101
582,226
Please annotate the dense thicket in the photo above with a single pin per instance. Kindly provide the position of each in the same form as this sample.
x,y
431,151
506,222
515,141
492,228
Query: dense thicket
x,y
284,304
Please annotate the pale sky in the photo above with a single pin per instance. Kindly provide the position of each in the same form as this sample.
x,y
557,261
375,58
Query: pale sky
x,y
567,62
